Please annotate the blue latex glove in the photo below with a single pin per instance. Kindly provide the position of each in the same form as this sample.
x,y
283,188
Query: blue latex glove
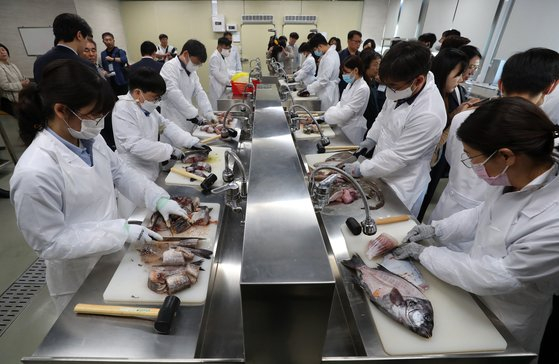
x,y
410,250
420,232
167,207
353,169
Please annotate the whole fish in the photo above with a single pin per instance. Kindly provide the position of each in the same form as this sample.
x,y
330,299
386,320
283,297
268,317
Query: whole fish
x,y
405,269
395,296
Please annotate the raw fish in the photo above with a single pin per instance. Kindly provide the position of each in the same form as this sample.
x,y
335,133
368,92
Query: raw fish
x,y
381,245
395,296
406,269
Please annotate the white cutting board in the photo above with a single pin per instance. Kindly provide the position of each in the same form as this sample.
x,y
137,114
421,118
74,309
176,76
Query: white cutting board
x,y
129,283
204,135
216,159
326,130
313,159
460,324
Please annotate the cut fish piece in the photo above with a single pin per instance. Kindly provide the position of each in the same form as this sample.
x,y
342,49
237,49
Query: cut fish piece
x,y
381,245
406,269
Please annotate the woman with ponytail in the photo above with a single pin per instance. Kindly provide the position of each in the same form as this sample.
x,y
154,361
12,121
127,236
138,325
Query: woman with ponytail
x,y
63,187
511,259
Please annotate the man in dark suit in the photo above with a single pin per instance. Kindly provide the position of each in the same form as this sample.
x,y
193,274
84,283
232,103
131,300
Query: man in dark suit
x,y
147,49
70,38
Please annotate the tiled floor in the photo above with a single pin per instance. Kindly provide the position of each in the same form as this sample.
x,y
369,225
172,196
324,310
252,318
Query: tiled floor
x,y
24,335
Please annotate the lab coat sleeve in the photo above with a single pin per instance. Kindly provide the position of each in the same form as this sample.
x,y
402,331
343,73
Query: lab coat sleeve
x,y
341,114
203,101
8,86
215,71
174,94
418,137
460,226
307,69
453,144
484,276
132,184
323,75
178,137
38,201
127,132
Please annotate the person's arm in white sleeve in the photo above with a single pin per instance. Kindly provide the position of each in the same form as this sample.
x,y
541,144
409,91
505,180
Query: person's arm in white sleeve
x,y
203,101
215,71
484,276
323,76
129,137
38,201
341,114
460,226
307,69
419,135
174,94
178,137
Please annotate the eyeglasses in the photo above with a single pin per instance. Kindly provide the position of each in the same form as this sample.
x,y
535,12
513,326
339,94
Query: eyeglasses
x,y
473,67
467,161
97,121
157,99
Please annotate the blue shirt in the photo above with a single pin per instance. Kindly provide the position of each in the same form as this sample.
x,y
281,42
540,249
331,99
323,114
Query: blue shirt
x,y
85,153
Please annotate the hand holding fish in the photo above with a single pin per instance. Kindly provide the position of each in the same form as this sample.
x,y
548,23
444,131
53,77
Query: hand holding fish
x,y
409,250
168,207
420,232
354,169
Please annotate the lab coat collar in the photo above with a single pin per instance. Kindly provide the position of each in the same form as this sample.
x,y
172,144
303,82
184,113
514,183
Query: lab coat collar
x,y
412,98
542,179
183,66
545,187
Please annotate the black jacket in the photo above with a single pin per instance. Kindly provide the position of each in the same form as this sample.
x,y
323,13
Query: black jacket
x,y
147,63
58,52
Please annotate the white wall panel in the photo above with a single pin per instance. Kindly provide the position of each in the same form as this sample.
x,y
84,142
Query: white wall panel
x,y
409,19
391,18
439,16
373,19
474,19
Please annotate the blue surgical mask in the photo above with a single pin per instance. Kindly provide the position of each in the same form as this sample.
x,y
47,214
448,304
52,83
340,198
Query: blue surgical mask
x,y
318,53
348,78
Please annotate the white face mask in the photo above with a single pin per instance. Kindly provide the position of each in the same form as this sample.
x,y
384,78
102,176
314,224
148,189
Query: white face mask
x,y
398,95
191,67
148,106
225,52
89,128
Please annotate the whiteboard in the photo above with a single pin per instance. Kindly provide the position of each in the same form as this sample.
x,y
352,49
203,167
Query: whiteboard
x,y
37,40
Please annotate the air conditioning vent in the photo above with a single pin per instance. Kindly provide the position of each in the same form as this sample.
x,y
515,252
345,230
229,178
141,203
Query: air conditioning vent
x,y
300,19
257,19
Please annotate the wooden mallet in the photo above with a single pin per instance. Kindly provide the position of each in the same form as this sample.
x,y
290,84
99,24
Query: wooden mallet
x,y
207,182
163,316
328,148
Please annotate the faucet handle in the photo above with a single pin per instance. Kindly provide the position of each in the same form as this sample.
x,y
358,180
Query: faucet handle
x,y
228,175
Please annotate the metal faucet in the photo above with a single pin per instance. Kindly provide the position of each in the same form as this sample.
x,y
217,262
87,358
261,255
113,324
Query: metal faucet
x,y
226,132
324,140
320,193
233,193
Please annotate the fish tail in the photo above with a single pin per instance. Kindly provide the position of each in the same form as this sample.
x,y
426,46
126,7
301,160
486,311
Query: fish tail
x,y
354,263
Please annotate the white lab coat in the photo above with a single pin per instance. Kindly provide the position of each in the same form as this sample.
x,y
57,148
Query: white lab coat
x,y
512,263
307,71
176,104
66,209
136,137
348,112
551,106
465,190
234,64
219,77
406,137
327,79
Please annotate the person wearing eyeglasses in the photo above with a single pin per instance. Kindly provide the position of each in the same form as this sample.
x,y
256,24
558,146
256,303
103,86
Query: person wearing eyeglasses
x,y
530,75
137,126
511,258
404,135
64,185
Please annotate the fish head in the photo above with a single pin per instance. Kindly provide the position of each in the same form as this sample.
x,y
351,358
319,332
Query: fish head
x,y
419,315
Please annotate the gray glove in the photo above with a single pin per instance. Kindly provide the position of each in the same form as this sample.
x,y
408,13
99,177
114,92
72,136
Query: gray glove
x,y
177,154
410,250
200,146
420,232
197,120
365,147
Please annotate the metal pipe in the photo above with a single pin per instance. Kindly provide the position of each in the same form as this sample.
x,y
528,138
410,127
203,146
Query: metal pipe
x,y
225,130
323,139
237,161
369,226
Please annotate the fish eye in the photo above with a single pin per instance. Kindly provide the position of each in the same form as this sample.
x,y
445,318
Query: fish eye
x,y
412,303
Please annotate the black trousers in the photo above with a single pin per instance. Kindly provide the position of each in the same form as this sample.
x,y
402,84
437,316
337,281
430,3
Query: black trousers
x,y
549,351
7,106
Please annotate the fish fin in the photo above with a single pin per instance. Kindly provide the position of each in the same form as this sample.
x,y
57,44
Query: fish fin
x,y
354,263
203,253
384,269
198,262
396,297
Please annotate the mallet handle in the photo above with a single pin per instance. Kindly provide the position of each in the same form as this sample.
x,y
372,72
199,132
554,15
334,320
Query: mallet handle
x,y
341,147
392,219
186,174
210,139
124,311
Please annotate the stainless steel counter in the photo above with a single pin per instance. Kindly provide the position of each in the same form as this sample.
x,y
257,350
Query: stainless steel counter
x,y
277,292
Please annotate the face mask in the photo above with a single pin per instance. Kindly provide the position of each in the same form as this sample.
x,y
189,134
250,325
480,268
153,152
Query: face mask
x,y
191,67
225,52
398,95
348,78
318,53
147,106
89,130
499,180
